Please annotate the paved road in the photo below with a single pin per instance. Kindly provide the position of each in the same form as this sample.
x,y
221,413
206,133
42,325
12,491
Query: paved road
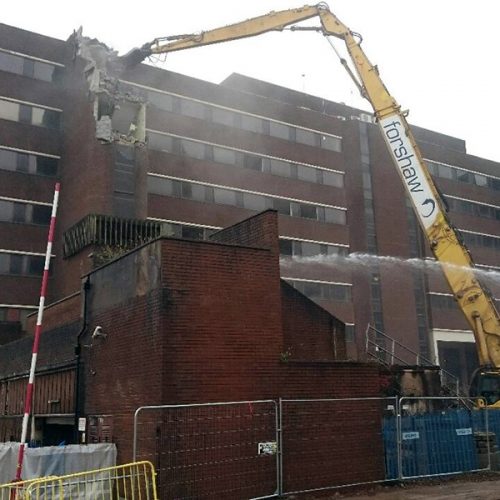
x,y
456,490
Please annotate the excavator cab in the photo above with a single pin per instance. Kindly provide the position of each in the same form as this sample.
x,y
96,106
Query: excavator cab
x,y
485,384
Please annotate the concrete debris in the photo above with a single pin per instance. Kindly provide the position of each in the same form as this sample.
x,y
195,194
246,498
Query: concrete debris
x,y
119,110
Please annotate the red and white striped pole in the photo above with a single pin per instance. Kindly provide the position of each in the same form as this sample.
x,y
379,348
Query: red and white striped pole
x,y
36,340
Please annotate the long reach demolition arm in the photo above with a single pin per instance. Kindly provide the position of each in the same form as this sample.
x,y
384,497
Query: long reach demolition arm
x,y
474,300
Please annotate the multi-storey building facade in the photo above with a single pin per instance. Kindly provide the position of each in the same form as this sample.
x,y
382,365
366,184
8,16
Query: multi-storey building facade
x,y
215,154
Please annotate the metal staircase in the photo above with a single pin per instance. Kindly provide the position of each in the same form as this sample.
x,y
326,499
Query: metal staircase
x,y
389,352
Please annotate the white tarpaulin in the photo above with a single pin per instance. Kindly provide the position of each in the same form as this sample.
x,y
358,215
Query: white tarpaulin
x,y
55,460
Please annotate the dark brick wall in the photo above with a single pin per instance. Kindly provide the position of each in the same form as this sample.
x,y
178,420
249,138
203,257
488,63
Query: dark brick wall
x,y
260,230
228,349
10,331
56,349
58,314
195,322
309,332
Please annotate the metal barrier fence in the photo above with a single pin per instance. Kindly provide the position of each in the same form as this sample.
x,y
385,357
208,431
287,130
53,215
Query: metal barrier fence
x,y
216,450
11,491
332,443
258,449
441,436
131,481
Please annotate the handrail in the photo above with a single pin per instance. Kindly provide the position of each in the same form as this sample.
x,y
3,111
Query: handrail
x,y
419,359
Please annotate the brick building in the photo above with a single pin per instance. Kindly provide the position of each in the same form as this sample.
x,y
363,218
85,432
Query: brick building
x,y
183,321
203,156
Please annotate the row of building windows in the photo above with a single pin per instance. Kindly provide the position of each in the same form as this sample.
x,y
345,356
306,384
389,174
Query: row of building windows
x,y
27,163
210,194
442,301
21,265
297,248
26,66
457,174
288,247
481,240
187,231
322,291
253,161
27,113
473,208
23,212
235,119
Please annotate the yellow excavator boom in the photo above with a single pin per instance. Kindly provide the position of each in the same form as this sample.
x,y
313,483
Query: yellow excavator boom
x,y
445,242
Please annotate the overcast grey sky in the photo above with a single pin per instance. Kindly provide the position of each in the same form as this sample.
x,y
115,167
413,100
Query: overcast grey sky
x,y
438,58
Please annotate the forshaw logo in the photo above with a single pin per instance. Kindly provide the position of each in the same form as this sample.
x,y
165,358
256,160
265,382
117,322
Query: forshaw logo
x,y
411,171
432,204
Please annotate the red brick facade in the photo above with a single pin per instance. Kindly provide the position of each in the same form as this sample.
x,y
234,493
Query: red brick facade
x,y
197,322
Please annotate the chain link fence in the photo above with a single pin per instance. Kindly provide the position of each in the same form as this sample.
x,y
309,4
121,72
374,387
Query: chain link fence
x,y
263,449
215,450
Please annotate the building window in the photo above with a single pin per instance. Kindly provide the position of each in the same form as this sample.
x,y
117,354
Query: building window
x,y
255,202
473,208
224,196
320,291
442,301
19,212
298,248
281,168
460,175
279,130
307,174
32,115
224,155
308,211
193,108
161,101
335,216
24,212
241,120
223,116
332,178
177,230
253,162
27,163
350,332
162,142
193,149
481,240
252,124
41,214
331,143
282,206
228,156
15,63
307,137
184,189
21,265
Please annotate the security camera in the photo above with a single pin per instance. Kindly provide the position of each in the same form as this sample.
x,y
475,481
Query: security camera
x,y
98,333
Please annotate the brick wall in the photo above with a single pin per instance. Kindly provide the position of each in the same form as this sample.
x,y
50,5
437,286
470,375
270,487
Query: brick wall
x,y
10,331
309,332
57,314
196,322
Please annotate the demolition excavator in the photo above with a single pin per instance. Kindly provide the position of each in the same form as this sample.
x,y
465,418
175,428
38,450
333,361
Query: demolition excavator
x,y
445,241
